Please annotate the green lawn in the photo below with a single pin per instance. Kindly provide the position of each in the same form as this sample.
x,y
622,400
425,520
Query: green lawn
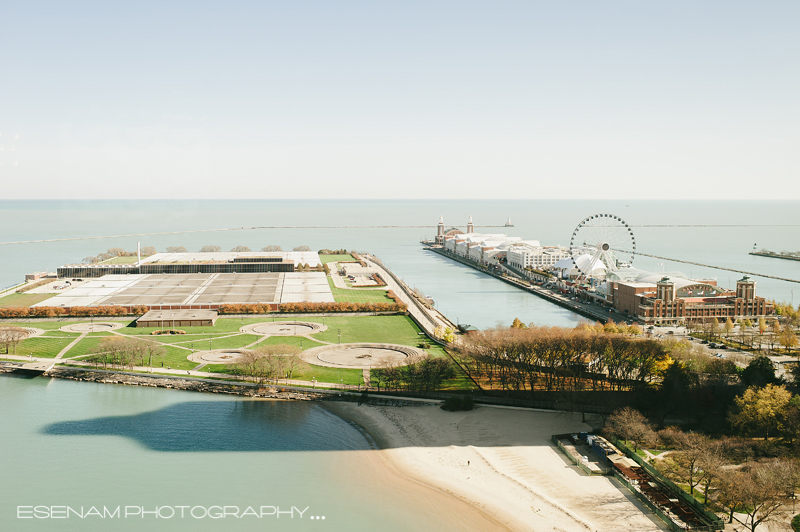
x,y
231,342
358,295
23,300
41,346
62,334
86,346
302,343
47,325
306,373
325,259
184,339
380,329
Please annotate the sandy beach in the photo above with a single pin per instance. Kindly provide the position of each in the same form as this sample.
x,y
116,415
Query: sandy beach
x,y
501,462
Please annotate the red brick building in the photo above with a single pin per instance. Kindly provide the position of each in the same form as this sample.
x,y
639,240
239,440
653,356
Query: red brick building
x,y
678,300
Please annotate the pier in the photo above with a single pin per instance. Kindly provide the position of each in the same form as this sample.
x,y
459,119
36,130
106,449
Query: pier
x,y
586,310
773,255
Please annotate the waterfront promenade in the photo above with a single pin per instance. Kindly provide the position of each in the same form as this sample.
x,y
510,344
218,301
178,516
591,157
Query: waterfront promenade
x,y
587,310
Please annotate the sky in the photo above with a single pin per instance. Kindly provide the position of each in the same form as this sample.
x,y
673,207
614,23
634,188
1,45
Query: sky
x,y
400,99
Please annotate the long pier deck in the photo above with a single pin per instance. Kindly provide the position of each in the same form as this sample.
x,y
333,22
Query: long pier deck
x,y
584,309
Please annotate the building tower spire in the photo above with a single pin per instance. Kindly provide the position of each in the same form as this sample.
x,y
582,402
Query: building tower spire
x,y
470,226
440,232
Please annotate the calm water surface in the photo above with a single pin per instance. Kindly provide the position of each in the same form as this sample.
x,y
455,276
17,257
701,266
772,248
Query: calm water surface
x,y
85,444
458,290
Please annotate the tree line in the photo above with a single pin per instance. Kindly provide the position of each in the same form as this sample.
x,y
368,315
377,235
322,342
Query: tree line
x,y
730,474
10,336
119,352
555,359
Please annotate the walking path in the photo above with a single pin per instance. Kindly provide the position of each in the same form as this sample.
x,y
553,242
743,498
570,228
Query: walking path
x,y
429,319
70,345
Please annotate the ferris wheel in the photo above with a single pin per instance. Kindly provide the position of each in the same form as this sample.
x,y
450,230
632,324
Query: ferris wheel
x,y
600,244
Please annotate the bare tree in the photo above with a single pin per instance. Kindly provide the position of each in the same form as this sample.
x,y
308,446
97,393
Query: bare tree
x,y
176,249
629,424
10,336
271,248
241,249
765,489
301,248
210,249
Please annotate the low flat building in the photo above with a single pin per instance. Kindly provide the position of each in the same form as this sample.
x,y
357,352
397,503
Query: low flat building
x,y
172,319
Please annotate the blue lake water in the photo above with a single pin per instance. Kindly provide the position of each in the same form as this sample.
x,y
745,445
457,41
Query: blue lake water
x,y
461,292
82,444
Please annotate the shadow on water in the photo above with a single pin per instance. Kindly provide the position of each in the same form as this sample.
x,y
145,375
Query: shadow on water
x,y
224,426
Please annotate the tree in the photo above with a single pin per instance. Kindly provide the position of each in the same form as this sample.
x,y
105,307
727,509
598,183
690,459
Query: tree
x,y
210,249
10,336
240,249
714,327
176,249
283,359
271,248
301,248
788,339
759,372
728,327
517,324
147,251
765,488
760,410
629,424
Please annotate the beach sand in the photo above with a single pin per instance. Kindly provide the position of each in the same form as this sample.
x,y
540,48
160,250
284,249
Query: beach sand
x,y
502,463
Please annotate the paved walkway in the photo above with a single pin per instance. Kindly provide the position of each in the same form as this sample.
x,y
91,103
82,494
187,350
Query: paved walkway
x,y
429,319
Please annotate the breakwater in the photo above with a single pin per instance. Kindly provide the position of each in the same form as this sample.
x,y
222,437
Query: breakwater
x,y
597,314
773,255
188,384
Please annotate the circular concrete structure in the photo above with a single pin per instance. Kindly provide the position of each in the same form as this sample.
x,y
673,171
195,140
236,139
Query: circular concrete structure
x,y
284,328
362,356
33,331
216,356
97,326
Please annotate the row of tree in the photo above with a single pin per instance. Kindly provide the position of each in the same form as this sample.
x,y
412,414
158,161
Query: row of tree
x,y
268,363
427,375
118,252
723,470
119,352
150,250
764,333
77,311
343,306
555,358
11,336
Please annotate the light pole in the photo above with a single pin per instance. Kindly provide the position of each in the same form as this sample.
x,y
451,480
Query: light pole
x,y
340,337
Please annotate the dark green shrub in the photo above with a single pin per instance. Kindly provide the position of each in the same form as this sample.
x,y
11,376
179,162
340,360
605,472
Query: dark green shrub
x,y
455,403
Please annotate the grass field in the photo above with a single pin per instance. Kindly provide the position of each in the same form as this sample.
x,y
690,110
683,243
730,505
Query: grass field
x,y
42,346
23,300
358,295
382,329
396,329
307,372
325,259
62,334
85,346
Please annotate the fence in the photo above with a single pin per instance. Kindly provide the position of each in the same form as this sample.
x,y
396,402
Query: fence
x,y
574,459
697,506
